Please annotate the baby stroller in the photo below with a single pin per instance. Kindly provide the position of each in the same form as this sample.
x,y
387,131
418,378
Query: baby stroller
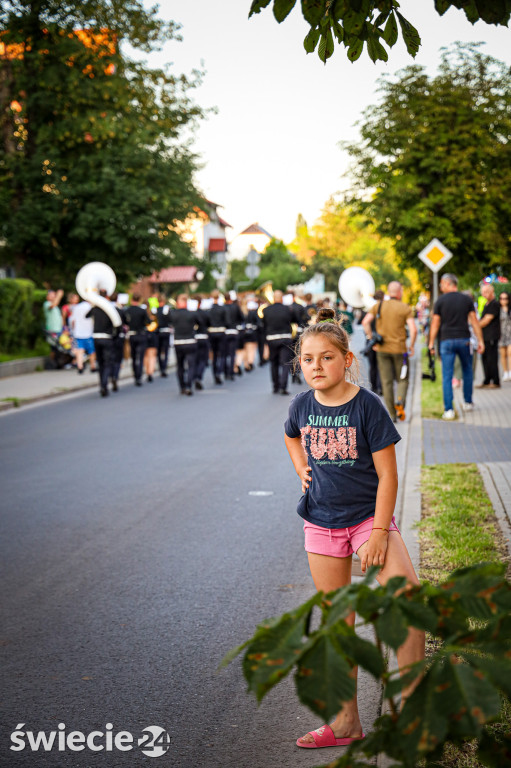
x,y
61,350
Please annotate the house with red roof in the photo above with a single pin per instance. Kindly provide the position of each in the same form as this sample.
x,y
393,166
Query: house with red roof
x,y
253,237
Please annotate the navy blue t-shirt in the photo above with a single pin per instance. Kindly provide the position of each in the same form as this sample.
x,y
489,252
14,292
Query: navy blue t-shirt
x,y
339,441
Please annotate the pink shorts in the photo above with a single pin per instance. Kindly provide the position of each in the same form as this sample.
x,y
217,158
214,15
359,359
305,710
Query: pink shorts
x,y
339,542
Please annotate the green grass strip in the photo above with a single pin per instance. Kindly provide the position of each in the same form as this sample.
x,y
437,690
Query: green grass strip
x,y
458,526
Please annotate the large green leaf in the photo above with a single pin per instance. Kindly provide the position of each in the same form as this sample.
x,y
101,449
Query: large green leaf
x,y
313,11
452,701
391,626
418,615
353,22
282,9
326,46
422,724
390,33
362,652
469,699
311,40
275,649
496,670
323,678
257,6
410,35
375,49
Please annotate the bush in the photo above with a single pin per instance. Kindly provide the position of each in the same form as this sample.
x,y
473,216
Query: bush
x,y
16,314
37,327
462,684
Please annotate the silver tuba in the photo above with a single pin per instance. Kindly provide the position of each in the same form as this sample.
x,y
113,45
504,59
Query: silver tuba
x,y
356,287
95,277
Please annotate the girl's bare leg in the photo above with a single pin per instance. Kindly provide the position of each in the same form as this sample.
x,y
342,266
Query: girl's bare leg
x,y
150,361
79,355
508,348
329,573
398,563
250,352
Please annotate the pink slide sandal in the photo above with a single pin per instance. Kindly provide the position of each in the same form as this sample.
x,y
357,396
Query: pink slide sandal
x,y
324,737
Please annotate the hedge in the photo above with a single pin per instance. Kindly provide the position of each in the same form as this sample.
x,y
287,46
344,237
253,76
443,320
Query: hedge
x,y
19,326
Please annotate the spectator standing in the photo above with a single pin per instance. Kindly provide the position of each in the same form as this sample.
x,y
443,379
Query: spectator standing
x,y
452,313
490,324
82,328
392,318
52,314
505,335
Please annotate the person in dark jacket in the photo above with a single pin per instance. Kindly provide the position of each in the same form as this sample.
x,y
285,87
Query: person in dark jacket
x,y
103,335
250,336
216,330
163,320
301,320
277,320
203,345
137,320
234,323
185,323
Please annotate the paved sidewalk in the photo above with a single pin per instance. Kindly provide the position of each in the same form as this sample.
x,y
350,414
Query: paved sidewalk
x,y
482,437
40,385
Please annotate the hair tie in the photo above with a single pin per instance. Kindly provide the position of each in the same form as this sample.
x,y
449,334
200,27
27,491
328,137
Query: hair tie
x,y
328,320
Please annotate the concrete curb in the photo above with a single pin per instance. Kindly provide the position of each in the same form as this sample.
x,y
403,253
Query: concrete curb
x,y
410,507
8,405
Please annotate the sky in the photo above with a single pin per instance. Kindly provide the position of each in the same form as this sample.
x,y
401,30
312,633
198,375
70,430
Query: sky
x,y
271,150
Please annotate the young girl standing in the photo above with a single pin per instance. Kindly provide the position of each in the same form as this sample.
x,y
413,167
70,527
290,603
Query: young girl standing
x,y
342,444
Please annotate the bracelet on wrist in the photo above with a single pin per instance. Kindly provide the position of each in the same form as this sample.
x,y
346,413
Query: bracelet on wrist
x,y
380,529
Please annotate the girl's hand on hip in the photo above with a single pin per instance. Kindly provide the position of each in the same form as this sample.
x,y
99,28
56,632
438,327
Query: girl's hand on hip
x,y
304,476
375,550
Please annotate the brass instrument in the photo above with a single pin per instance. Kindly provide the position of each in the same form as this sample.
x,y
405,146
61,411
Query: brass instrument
x,y
92,278
266,292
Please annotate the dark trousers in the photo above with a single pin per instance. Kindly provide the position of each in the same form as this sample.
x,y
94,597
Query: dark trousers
x,y
202,358
374,376
138,346
186,358
104,358
163,350
231,342
217,341
261,341
490,360
118,351
281,355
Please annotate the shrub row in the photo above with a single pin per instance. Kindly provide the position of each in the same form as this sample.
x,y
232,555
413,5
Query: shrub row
x,y
21,314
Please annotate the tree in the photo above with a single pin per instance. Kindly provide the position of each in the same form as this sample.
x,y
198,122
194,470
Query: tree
x,y
435,153
277,265
341,239
355,23
93,160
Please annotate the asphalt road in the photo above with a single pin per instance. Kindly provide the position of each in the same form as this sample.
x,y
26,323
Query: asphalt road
x,y
133,557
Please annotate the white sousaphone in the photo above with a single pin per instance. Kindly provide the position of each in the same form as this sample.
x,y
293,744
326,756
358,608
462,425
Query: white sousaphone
x,y
356,287
93,278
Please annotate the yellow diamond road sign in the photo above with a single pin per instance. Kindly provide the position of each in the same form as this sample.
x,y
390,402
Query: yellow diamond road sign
x,y
435,255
